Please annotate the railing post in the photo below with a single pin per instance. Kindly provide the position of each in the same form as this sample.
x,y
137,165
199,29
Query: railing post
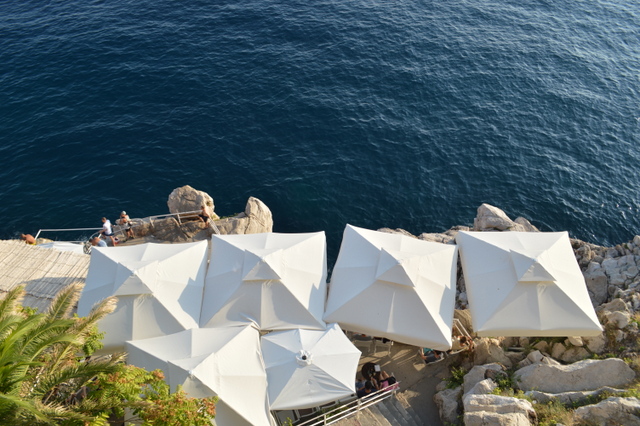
x,y
324,418
358,411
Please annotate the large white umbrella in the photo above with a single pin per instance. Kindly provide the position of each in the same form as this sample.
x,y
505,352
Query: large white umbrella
x,y
224,362
159,289
394,286
525,284
308,368
275,281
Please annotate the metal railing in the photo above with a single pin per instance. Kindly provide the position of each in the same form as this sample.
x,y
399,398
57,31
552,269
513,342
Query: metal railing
x,y
118,229
333,415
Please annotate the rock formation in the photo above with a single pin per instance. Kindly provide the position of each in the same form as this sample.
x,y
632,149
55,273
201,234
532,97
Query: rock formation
x,y
555,369
256,218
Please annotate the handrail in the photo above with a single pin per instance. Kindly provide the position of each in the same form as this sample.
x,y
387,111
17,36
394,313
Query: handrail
x,y
69,229
349,409
119,228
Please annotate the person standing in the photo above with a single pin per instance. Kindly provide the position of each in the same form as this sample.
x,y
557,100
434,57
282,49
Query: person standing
x,y
125,222
107,231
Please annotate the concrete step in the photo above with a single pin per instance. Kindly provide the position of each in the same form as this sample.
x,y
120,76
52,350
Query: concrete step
x,y
405,412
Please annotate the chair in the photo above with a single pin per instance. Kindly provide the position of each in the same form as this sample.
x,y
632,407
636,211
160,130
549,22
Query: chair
x,y
381,345
364,343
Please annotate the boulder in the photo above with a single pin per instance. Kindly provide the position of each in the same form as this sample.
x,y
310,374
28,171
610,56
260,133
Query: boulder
x,y
188,199
596,344
611,411
618,319
437,238
503,408
526,225
448,405
488,351
583,375
616,305
490,218
574,354
597,285
478,374
255,219
571,398
487,418
483,387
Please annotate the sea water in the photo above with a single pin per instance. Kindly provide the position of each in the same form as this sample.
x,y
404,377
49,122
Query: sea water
x,y
403,114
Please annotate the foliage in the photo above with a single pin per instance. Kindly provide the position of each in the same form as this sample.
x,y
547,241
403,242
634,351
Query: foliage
x,y
47,376
457,377
553,413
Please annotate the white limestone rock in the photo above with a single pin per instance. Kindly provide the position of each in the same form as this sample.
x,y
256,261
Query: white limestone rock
x,y
619,319
597,283
490,218
505,407
575,341
477,374
574,354
568,398
557,350
487,418
256,219
583,375
596,344
448,403
483,387
488,351
611,411
188,199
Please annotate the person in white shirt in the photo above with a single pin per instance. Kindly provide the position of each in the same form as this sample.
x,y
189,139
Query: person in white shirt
x,y
107,231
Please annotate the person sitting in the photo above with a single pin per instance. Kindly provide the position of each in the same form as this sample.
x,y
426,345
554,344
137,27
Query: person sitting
x,y
204,217
359,383
28,238
125,222
384,380
98,242
429,355
368,389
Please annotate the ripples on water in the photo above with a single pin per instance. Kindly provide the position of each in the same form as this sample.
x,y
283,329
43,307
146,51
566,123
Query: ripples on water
x,y
403,114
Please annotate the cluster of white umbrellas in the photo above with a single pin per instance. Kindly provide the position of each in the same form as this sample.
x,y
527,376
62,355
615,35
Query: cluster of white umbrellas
x,y
200,317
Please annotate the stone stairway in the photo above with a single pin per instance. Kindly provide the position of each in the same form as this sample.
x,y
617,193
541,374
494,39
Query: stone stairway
x,y
390,412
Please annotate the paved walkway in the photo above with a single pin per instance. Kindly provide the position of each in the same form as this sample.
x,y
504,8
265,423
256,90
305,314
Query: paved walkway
x,y
418,380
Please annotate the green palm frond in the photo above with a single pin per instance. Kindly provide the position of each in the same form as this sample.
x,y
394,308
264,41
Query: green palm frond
x,y
62,305
9,304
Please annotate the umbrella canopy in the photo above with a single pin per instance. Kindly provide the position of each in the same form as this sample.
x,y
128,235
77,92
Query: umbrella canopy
x,y
394,286
275,281
525,284
308,368
224,362
159,289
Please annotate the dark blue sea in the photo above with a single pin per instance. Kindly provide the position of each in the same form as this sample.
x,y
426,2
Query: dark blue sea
x,y
402,114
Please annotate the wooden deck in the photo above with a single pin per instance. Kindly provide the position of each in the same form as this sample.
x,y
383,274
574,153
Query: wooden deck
x,y
43,272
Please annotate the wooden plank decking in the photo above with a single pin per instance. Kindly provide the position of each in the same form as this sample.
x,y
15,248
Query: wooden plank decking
x,y
43,272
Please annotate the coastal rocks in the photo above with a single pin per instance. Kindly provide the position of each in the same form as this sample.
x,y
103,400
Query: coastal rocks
x,y
497,410
448,406
255,219
477,374
580,376
611,411
188,199
490,218
489,351
570,398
